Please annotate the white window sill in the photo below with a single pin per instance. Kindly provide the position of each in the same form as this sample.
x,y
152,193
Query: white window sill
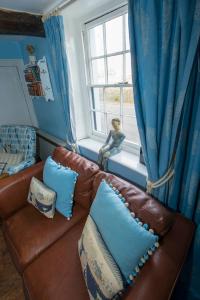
x,y
124,164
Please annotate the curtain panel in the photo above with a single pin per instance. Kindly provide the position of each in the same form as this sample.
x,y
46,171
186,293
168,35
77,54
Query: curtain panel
x,y
54,29
164,39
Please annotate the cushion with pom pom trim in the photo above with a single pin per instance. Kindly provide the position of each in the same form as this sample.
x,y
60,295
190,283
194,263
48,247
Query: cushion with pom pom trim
x,y
62,180
129,241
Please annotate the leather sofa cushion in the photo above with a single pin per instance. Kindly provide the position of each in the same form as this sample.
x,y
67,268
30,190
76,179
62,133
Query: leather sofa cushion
x,y
28,232
143,205
56,273
86,170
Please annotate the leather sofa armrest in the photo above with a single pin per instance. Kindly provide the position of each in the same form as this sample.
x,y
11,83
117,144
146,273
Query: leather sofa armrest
x,y
157,278
14,189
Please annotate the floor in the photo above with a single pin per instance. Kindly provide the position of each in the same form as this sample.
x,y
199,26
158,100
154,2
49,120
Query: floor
x,y
10,280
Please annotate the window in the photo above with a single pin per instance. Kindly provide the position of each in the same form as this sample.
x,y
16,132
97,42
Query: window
x,y
109,75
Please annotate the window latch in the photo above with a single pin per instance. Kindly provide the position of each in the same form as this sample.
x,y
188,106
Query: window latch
x,y
123,82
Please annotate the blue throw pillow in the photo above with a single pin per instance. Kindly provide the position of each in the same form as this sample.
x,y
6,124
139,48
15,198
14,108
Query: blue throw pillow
x,y
62,180
128,240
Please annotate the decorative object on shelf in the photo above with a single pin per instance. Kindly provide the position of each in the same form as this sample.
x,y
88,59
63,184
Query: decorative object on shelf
x,y
31,51
37,76
113,144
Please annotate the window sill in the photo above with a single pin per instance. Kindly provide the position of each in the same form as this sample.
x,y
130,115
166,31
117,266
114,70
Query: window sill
x,y
124,164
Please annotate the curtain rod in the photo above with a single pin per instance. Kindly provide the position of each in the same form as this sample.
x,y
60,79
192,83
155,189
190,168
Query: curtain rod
x,y
107,13
58,7
65,4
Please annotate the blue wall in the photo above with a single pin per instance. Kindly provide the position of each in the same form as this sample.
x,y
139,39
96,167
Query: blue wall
x,y
9,49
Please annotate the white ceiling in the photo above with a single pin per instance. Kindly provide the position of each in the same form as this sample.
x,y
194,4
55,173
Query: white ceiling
x,y
31,6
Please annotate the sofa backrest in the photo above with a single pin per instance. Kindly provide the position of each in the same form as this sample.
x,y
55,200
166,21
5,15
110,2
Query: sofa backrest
x,y
145,207
18,139
86,170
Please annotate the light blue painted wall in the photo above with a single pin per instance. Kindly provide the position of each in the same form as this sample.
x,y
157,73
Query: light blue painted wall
x,y
9,49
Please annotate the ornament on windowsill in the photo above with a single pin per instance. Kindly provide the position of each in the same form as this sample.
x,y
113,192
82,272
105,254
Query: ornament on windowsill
x,y
113,144
31,51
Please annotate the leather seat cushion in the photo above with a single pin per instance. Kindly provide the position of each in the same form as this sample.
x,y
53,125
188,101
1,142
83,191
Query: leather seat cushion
x,y
57,273
28,232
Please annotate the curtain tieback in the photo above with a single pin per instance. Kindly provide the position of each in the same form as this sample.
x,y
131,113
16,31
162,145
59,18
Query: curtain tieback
x,y
74,147
155,184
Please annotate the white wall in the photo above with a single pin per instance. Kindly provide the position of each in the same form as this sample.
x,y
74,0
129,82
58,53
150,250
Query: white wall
x,y
75,16
15,104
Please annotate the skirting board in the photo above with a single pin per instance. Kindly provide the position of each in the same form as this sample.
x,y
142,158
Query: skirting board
x,y
47,143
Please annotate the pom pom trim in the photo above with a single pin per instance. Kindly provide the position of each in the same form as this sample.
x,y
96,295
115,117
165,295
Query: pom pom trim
x,y
150,251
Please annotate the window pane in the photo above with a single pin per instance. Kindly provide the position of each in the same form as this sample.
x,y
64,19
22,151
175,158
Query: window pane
x,y
96,41
112,100
109,120
128,102
114,35
97,99
98,71
130,129
128,68
99,122
127,33
115,69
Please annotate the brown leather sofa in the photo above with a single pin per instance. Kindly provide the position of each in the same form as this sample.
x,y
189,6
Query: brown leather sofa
x,y
44,251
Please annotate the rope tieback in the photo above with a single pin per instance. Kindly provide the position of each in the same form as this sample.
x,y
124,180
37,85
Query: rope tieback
x,y
155,184
74,147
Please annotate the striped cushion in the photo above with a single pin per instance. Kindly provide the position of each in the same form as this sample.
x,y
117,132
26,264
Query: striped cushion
x,y
10,159
102,276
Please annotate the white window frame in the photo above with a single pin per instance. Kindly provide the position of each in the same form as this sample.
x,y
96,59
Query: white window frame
x,y
127,145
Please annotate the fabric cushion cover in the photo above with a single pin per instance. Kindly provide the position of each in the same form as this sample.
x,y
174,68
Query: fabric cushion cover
x,y
62,180
126,240
150,211
102,275
42,198
10,159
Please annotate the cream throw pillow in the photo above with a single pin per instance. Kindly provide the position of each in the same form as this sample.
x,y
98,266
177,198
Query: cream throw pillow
x,y
102,276
42,198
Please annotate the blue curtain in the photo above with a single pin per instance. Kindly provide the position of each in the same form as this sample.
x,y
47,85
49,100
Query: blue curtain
x,y
164,37
54,30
